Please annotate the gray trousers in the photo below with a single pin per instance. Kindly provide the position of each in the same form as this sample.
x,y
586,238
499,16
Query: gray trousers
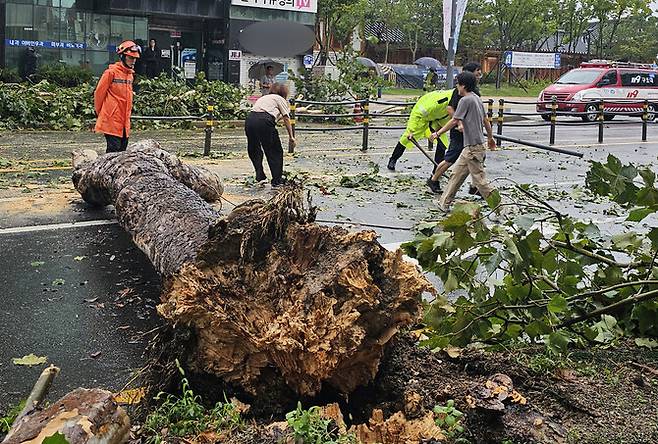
x,y
471,161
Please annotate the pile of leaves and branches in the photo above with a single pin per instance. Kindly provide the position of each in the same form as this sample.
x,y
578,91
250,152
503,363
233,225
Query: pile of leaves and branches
x,y
46,105
541,276
63,75
355,81
49,105
375,182
164,96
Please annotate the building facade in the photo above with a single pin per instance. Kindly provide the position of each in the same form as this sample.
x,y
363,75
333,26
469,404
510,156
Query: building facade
x,y
192,36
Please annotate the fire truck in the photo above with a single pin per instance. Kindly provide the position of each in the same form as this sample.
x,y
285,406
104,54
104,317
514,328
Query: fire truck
x,y
623,87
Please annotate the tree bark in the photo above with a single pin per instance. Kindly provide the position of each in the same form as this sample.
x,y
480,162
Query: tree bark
x,y
82,416
265,287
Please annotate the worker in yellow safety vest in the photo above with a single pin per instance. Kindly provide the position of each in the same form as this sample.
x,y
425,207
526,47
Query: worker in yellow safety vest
x,y
428,114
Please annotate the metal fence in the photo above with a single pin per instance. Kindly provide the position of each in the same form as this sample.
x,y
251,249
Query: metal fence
x,y
209,117
646,110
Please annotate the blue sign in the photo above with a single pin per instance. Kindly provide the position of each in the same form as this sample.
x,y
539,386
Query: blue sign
x,y
558,63
45,44
308,60
188,55
507,58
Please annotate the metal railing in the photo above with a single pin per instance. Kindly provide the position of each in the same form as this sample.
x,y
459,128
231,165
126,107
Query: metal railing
x,y
209,118
362,117
495,114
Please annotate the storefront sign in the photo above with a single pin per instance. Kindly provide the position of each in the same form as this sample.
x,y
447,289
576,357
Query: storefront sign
x,y
516,59
188,59
45,44
174,34
282,5
234,55
188,54
189,69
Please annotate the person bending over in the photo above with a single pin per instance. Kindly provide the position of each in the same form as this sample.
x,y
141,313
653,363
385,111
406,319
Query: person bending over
x,y
262,135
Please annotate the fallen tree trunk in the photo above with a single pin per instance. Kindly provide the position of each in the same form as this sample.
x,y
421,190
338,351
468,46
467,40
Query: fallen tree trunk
x,y
264,287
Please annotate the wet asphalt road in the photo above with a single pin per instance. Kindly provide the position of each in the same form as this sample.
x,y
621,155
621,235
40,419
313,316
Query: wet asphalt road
x,y
83,297
106,300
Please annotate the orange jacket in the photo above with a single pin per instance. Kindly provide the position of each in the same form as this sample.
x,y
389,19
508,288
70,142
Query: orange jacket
x,y
113,100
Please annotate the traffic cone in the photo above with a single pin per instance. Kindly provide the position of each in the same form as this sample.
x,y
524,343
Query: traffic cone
x,y
358,110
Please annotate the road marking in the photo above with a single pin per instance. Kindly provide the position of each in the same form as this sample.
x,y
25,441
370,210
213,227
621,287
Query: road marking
x,y
46,227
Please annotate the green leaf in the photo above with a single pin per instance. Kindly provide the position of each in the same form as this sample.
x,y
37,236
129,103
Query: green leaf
x,y
79,258
558,341
627,241
646,342
494,199
30,360
57,438
514,331
37,263
558,304
648,176
58,282
607,329
524,221
451,283
455,220
638,214
492,264
537,328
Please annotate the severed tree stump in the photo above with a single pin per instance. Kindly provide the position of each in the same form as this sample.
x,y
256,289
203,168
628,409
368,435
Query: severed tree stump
x,y
264,287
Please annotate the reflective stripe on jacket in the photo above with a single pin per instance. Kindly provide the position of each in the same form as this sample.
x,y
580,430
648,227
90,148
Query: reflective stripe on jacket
x,y
113,100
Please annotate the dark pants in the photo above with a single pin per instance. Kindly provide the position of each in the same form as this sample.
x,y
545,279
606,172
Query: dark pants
x,y
152,69
116,144
439,153
262,136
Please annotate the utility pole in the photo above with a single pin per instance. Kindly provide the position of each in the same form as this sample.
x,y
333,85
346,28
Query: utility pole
x,y
451,45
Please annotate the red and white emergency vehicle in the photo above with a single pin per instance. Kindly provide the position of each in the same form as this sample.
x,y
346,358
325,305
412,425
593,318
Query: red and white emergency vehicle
x,y
623,86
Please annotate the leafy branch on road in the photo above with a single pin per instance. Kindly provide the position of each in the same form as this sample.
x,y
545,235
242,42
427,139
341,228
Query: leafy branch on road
x,y
539,276
626,185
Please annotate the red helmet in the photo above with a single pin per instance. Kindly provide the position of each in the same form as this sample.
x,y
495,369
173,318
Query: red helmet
x,y
129,48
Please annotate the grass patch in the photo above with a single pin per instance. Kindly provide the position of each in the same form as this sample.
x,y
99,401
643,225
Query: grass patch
x,y
487,90
533,90
308,426
9,418
185,416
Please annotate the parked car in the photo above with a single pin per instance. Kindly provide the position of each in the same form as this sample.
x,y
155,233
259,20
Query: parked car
x,y
623,86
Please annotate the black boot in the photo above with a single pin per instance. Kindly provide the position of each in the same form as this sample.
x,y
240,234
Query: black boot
x,y
397,153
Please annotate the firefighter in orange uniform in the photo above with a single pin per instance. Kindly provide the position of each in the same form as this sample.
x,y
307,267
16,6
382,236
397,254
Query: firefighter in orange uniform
x,y
113,98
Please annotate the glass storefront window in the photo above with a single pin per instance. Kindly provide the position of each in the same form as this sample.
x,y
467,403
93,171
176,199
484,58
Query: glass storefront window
x,y
72,25
142,29
19,22
95,35
74,57
46,23
122,29
97,31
